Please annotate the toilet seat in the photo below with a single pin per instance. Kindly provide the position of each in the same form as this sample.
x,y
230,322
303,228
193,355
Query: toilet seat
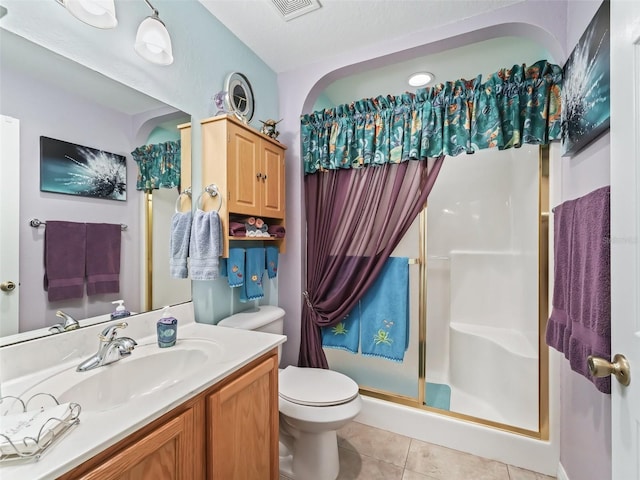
x,y
316,387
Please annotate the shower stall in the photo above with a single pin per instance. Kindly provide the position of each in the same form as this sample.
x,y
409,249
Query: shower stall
x,y
478,282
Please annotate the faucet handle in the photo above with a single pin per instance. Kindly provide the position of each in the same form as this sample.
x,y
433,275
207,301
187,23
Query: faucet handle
x,y
109,333
125,345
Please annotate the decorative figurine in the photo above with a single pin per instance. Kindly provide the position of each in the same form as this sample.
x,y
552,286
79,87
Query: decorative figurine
x,y
269,128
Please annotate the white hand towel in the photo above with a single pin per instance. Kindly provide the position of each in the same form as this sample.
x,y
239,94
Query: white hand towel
x,y
206,245
179,244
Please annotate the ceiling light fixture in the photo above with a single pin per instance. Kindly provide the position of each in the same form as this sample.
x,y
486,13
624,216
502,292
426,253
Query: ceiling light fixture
x,y
153,42
97,13
420,79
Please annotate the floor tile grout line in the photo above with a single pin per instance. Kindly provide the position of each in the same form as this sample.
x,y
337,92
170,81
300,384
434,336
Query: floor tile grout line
x,y
371,457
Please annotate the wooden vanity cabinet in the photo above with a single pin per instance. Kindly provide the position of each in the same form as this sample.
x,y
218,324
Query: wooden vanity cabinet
x,y
170,448
248,168
228,432
243,437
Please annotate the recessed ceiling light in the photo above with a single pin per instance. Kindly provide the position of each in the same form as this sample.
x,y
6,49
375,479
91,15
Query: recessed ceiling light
x,y
420,79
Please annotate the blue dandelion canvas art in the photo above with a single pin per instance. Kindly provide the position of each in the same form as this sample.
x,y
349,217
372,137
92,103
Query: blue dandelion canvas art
x,y
585,89
76,170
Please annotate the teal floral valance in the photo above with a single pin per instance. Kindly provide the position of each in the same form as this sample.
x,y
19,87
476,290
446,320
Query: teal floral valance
x,y
158,165
514,106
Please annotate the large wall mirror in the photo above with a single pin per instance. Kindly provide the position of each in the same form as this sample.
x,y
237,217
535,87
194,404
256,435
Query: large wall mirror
x,y
52,96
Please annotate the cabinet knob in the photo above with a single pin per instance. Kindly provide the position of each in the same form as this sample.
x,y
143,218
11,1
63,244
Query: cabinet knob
x,y
264,177
259,176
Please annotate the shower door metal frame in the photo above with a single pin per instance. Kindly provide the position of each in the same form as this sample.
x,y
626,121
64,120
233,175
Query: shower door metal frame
x,y
543,314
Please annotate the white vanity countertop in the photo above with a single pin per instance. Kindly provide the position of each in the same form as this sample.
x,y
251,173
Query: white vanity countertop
x,y
99,430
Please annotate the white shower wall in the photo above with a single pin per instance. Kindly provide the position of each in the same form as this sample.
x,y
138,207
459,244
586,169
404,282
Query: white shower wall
x,y
482,285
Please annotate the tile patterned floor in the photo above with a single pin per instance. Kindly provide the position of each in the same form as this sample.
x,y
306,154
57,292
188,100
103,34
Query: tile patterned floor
x,y
368,453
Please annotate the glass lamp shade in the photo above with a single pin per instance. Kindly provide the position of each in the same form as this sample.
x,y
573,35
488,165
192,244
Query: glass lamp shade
x,y
153,42
97,13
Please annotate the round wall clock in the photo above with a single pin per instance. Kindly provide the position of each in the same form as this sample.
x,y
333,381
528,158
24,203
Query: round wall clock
x,y
239,96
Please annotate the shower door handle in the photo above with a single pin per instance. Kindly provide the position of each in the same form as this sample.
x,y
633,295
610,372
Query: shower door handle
x,y
600,367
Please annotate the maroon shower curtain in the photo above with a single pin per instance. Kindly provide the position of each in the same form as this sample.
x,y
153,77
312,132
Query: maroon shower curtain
x,y
355,219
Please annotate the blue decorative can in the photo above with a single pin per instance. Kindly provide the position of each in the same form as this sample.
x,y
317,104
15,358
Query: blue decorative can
x,y
167,329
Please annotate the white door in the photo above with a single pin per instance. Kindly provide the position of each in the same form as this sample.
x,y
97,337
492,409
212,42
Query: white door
x,y
9,218
625,234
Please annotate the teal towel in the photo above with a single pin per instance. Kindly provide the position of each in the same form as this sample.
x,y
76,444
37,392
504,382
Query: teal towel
x,y
271,261
235,267
344,335
253,272
384,322
223,267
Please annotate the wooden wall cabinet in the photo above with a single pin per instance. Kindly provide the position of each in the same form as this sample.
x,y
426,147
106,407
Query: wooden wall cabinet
x,y
228,432
248,168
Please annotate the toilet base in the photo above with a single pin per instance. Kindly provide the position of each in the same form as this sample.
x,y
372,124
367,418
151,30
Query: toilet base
x,y
314,457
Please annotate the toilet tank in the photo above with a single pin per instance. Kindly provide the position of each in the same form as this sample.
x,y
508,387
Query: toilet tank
x,y
266,318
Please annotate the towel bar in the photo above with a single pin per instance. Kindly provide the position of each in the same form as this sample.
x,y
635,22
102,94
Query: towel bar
x,y
35,223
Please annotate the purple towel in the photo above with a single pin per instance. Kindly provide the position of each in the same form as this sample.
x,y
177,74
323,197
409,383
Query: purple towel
x,y
237,229
580,322
64,260
103,258
277,231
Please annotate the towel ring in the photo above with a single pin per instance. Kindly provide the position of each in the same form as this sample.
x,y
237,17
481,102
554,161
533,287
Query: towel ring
x,y
212,190
187,192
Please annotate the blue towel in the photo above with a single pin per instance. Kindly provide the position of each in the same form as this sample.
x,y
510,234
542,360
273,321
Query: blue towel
x,y
235,267
272,261
344,335
384,323
223,267
254,270
205,245
179,244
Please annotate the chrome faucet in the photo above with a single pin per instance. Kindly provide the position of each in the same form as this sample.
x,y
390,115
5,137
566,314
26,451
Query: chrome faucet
x,y
70,323
111,348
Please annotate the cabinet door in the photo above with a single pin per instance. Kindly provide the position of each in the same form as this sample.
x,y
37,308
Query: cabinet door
x,y
244,177
166,453
243,438
273,181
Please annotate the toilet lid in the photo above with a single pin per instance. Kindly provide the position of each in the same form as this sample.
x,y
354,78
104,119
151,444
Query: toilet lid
x,y
316,387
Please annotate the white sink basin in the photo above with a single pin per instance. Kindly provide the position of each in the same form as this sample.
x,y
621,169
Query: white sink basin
x,y
148,370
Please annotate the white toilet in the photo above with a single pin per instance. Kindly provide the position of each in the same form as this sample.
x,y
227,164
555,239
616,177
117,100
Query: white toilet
x,y
314,403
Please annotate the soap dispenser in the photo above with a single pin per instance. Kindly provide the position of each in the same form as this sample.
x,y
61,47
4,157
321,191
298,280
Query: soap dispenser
x,y
167,329
120,312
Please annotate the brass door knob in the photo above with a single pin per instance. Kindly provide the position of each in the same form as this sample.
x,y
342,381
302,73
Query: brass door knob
x,y
600,367
7,286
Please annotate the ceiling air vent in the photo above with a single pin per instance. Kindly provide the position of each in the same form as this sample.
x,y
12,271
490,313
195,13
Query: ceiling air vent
x,y
290,9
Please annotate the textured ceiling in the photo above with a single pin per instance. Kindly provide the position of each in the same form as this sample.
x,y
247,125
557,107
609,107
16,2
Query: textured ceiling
x,y
338,26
